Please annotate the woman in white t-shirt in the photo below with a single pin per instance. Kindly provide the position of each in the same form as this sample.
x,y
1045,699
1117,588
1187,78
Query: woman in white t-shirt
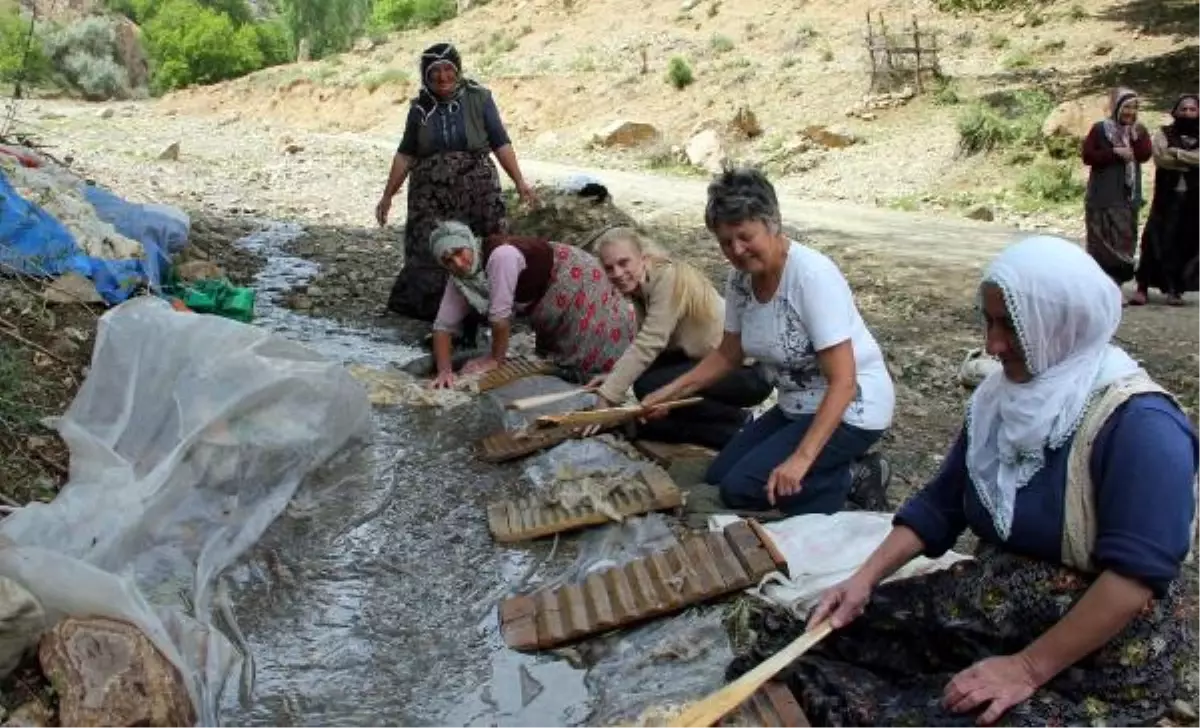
x,y
789,308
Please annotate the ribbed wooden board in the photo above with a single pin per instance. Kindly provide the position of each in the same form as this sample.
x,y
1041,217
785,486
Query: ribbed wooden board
x,y
701,568
513,370
667,453
771,705
502,446
529,518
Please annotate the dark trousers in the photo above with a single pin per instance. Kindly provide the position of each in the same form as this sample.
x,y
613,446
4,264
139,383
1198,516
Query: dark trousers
x,y
711,423
743,466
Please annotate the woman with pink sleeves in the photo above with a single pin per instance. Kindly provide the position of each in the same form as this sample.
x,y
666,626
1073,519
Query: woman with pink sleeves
x,y
579,319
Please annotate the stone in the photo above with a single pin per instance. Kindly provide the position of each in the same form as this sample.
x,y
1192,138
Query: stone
x,y
706,151
1071,120
830,137
1103,48
199,270
626,134
131,51
71,288
981,212
105,113
293,148
1184,712
107,672
33,714
171,153
22,620
744,124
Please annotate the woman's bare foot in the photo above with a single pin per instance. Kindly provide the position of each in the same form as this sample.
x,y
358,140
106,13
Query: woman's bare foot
x,y
1174,299
1138,298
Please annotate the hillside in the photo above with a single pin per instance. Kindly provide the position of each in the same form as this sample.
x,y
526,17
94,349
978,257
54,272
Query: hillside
x,y
561,70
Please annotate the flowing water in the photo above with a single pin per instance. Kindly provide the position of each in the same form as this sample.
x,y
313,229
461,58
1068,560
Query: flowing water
x,y
372,600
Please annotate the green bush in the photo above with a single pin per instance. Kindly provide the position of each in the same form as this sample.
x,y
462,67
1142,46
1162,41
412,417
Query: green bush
x,y
976,6
1003,120
1051,182
274,42
402,14
85,54
14,35
191,44
679,73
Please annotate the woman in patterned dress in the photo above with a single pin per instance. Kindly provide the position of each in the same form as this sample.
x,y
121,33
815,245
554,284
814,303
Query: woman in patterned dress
x,y
1078,474
578,318
452,129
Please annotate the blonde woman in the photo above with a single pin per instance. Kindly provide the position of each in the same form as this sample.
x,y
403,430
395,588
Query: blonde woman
x,y
680,319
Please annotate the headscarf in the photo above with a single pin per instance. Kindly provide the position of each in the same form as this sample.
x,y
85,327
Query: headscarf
x,y
1122,135
1187,128
439,54
452,235
1065,311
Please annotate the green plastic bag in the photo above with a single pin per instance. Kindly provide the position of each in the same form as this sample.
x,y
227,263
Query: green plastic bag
x,y
215,296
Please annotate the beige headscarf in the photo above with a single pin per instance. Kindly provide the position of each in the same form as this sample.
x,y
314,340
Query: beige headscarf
x,y
452,235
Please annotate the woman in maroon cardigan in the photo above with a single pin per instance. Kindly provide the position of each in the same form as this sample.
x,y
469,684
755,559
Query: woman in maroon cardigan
x,y
1115,149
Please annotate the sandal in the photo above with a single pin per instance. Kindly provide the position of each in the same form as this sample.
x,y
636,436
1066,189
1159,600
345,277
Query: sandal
x,y
1174,299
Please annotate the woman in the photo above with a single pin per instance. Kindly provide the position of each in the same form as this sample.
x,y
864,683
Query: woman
x,y
679,316
1077,473
1115,149
789,308
1169,243
452,126
576,315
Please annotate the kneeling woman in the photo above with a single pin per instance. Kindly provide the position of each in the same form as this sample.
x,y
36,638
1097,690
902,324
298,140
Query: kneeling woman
x,y
579,319
789,308
680,315
1077,473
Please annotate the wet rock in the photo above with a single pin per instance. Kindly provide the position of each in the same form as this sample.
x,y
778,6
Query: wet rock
x,y
625,134
33,714
706,151
108,673
171,153
22,619
981,212
71,288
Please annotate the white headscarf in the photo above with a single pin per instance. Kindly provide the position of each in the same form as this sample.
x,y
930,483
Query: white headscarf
x,y
1065,311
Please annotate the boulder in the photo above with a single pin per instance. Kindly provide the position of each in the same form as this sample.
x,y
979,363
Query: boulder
x,y
1071,120
199,270
626,134
107,672
706,151
131,53
22,620
171,153
981,212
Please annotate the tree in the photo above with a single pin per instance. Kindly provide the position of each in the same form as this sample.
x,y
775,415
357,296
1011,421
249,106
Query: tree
x,y
189,43
329,25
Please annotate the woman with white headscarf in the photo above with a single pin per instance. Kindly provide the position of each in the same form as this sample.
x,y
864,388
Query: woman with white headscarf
x,y
580,321
1115,149
1078,475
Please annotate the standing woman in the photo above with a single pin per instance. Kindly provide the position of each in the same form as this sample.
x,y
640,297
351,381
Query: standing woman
x,y
1171,241
577,317
789,308
452,126
1115,149
680,317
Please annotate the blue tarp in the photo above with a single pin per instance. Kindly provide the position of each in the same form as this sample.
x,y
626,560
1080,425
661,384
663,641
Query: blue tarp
x,y
33,242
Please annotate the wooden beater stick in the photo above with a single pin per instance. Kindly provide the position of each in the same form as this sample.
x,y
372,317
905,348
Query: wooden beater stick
x,y
715,706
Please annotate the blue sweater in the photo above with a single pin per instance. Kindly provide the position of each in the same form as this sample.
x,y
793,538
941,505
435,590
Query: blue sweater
x,y
1143,465
451,128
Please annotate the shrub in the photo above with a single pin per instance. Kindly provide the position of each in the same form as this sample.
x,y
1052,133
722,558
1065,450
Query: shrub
x,y
679,73
402,14
189,43
721,43
1051,182
17,52
97,78
85,54
274,42
1002,120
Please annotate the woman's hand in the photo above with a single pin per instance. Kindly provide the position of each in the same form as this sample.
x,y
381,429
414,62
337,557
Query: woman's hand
x,y
1124,153
1000,682
443,380
788,478
382,209
650,403
527,194
842,603
479,365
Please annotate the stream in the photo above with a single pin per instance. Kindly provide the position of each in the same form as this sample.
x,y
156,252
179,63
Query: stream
x,y
372,599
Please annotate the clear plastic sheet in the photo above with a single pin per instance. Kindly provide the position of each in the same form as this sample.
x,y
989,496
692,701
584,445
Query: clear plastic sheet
x,y
189,437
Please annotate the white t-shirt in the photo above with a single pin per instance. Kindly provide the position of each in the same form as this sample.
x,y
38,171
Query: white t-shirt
x,y
813,309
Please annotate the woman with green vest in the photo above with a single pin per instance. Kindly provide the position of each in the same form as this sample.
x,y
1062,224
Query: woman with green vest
x,y
453,125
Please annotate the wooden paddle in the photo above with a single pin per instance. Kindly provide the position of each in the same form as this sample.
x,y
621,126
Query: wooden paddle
x,y
540,400
608,415
715,706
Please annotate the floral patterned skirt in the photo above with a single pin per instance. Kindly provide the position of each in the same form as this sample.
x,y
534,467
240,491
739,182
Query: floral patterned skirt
x,y
892,664
461,186
582,321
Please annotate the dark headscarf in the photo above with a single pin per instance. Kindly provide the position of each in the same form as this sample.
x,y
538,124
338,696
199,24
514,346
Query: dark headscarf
x,y
1187,128
436,55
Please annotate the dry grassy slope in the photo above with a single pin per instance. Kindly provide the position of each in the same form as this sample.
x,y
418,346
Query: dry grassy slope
x,y
560,73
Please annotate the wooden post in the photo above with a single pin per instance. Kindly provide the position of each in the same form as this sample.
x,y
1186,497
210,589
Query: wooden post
x,y
871,51
917,47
